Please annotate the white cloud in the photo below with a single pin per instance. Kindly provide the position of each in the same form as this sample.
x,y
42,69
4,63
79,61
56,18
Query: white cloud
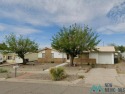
x,y
23,30
46,12
59,12
110,29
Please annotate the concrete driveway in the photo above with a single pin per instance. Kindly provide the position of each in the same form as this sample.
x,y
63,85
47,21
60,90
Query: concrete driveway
x,y
101,76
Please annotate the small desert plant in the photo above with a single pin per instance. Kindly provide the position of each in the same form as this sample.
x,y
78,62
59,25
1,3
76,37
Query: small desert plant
x,y
3,70
57,73
8,75
80,76
52,62
93,65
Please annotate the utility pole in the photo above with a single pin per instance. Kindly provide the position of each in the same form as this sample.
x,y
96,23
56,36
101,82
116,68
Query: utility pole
x,y
103,43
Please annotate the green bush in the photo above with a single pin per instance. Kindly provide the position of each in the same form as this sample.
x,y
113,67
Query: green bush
x,y
52,61
57,73
3,70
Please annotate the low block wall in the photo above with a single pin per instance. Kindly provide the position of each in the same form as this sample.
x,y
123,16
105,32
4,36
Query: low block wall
x,y
56,60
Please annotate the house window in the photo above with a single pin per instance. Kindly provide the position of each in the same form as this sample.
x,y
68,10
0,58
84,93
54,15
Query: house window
x,y
9,57
43,55
52,55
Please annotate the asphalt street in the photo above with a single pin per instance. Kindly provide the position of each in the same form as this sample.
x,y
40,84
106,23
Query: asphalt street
x,y
40,88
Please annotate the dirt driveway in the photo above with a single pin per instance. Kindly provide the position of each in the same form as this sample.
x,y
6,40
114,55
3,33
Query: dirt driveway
x,y
100,76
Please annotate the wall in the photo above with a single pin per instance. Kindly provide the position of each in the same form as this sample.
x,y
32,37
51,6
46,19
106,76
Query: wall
x,y
10,60
31,56
81,58
94,56
58,57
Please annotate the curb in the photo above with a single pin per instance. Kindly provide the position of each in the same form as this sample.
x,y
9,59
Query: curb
x,y
1,79
65,83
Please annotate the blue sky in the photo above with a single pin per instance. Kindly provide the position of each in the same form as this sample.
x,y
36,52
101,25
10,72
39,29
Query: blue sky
x,y
41,19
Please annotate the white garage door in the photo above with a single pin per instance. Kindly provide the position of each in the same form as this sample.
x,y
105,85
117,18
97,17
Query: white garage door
x,y
105,58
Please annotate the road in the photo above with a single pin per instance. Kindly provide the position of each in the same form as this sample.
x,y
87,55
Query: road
x,y
40,88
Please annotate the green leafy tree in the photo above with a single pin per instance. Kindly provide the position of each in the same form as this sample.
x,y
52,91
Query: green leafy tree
x,y
20,45
120,48
74,40
3,47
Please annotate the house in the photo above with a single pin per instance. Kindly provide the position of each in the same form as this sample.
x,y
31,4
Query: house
x,y
13,58
47,55
104,55
1,58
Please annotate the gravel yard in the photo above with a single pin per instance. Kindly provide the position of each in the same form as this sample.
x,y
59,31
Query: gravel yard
x,y
31,67
9,75
77,69
48,77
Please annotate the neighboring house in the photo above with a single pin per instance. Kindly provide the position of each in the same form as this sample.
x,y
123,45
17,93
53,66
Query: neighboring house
x,y
10,57
13,58
123,55
1,58
48,55
105,55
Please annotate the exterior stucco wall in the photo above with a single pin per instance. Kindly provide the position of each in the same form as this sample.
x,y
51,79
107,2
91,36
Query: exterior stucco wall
x,y
31,56
57,56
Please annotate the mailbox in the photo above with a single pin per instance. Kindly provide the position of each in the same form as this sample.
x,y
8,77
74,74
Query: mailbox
x,y
15,67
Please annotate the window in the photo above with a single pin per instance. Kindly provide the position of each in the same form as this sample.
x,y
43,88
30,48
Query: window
x,y
52,55
43,55
9,57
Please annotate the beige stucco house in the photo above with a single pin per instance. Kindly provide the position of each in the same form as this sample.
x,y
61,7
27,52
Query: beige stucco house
x,y
13,58
104,55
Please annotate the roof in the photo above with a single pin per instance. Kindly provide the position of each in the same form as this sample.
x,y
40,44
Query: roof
x,y
106,49
44,49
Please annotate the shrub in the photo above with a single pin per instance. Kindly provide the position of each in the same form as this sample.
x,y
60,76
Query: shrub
x,y
52,61
93,65
80,76
3,70
57,73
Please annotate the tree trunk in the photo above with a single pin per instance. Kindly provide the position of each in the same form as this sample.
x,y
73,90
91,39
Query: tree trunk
x,y
71,60
24,61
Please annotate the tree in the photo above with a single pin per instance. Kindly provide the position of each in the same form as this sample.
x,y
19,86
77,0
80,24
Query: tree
x,y
20,45
3,47
120,48
74,40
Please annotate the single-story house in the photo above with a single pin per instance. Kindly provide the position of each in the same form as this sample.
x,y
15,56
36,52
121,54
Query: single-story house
x,y
47,55
104,55
1,57
13,58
